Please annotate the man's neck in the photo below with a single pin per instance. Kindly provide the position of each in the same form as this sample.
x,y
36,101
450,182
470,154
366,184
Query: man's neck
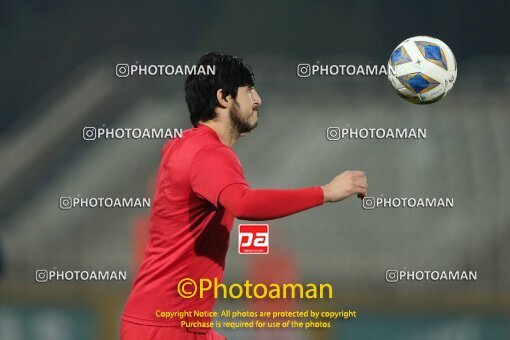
x,y
224,131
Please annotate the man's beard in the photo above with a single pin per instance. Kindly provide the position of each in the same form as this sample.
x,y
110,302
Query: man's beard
x,y
240,125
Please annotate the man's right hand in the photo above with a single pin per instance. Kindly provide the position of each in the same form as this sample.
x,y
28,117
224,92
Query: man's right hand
x,y
344,185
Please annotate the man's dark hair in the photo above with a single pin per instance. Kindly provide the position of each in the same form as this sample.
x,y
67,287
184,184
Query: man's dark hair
x,y
230,73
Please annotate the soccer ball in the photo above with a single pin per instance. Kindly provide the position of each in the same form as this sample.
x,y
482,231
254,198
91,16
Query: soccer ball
x,y
422,69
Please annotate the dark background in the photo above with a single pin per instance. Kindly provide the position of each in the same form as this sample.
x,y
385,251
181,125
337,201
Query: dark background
x,y
42,42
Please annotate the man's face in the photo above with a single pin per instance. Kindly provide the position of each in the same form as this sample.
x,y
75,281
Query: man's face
x,y
244,111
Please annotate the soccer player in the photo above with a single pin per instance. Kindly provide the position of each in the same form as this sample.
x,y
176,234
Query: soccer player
x,y
200,190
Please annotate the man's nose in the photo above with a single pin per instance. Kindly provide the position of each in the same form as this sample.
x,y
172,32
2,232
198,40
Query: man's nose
x,y
256,98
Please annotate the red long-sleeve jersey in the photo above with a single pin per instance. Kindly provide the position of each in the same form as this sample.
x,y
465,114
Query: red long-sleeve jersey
x,y
200,189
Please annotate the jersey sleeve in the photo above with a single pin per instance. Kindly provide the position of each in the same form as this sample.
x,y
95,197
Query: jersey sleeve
x,y
267,204
212,170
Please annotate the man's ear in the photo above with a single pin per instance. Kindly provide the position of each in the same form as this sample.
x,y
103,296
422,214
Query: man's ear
x,y
222,101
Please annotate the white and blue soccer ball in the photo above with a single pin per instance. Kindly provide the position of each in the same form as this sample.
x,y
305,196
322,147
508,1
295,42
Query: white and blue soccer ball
x,y
422,69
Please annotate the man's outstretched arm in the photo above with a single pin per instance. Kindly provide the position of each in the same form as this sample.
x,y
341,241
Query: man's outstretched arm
x,y
266,204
